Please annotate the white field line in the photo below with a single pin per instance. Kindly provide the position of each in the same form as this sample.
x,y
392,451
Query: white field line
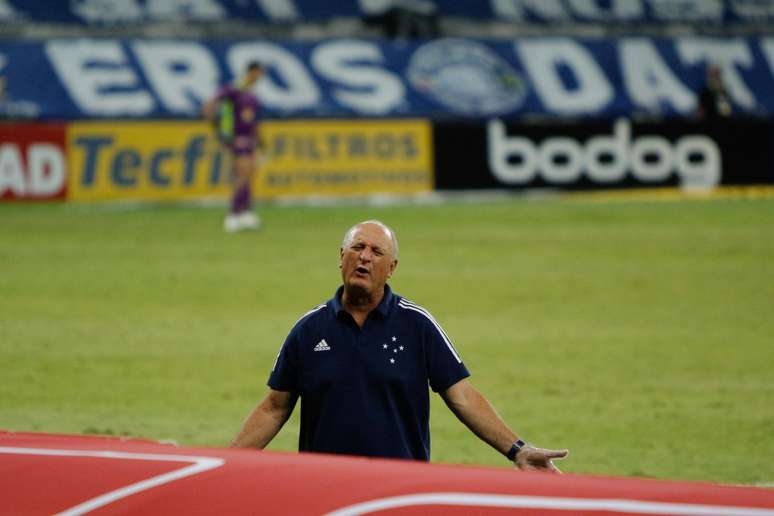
x,y
198,465
547,503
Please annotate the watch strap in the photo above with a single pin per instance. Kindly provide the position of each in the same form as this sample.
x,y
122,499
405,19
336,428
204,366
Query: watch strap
x,y
515,449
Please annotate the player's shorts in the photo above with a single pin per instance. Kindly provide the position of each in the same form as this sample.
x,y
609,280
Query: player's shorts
x,y
243,146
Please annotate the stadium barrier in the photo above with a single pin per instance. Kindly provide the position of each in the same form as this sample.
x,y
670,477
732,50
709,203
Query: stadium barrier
x,y
73,475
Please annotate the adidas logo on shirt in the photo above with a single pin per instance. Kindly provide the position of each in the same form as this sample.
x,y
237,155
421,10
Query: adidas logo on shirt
x,y
322,346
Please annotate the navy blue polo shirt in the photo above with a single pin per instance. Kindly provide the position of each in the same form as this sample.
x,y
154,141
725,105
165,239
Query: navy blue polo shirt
x,y
364,391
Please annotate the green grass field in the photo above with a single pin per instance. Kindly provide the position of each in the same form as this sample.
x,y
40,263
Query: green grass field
x,y
640,335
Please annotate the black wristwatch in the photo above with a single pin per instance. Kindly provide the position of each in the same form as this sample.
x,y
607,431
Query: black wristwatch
x,y
515,449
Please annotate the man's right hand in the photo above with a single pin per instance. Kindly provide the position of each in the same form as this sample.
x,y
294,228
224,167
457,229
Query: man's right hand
x,y
530,458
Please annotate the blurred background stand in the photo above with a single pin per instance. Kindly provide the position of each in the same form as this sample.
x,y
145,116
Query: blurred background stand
x,y
406,19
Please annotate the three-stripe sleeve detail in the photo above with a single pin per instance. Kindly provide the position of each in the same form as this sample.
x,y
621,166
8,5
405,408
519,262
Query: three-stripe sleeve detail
x,y
310,312
408,305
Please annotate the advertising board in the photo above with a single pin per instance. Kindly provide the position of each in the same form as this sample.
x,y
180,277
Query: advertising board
x,y
346,158
144,160
601,155
32,161
462,78
163,160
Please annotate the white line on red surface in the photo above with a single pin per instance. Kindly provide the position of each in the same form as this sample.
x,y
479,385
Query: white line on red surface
x,y
548,503
198,465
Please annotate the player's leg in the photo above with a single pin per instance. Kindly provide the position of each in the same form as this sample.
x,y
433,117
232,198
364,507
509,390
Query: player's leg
x,y
231,223
245,172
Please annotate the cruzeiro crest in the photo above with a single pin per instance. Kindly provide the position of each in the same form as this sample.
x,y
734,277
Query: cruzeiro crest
x,y
467,77
393,349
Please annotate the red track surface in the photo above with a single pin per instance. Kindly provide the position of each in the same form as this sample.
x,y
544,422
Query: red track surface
x,y
47,474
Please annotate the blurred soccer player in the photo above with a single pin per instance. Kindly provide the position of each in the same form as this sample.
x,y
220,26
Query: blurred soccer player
x,y
362,364
234,110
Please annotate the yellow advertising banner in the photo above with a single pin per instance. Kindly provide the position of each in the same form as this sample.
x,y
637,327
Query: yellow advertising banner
x,y
179,160
346,157
145,160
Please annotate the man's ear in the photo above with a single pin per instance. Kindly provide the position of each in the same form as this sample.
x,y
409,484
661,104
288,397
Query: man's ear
x,y
393,266
341,255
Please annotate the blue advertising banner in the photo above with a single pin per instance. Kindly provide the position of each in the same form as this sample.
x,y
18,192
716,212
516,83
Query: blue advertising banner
x,y
445,78
99,12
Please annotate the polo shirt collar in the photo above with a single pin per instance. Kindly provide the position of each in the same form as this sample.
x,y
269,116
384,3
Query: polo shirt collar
x,y
386,303
383,307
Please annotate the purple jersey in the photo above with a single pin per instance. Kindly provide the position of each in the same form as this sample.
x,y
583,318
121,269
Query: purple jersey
x,y
245,112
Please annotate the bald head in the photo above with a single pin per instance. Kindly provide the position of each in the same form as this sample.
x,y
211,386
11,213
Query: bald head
x,y
382,226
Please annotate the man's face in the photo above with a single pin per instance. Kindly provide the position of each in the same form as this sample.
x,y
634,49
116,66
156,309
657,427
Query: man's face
x,y
367,259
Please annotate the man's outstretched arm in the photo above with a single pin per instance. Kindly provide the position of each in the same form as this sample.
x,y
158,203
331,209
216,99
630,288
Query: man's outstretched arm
x,y
475,411
265,420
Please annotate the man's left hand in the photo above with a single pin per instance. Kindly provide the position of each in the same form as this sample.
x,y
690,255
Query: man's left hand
x,y
530,458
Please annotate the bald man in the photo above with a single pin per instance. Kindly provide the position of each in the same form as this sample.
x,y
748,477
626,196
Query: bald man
x,y
361,364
